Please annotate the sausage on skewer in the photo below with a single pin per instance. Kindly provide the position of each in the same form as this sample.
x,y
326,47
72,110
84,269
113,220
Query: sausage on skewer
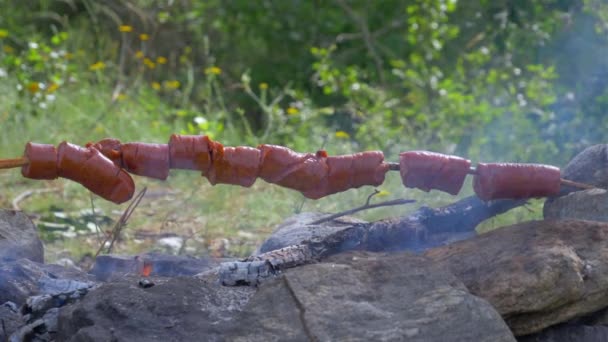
x,y
95,172
42,161
515,181
429,170
142,159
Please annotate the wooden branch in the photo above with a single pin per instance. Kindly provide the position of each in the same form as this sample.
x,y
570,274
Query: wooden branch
x,y
364,207
13,163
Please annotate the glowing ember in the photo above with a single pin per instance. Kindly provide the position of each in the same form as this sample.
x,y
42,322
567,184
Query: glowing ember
x,y
147,269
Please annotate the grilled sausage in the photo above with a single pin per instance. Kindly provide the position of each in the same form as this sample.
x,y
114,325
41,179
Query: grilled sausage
x,y
190,152
235,165
110,148
515,181
42,161
429,170
148,160
95,172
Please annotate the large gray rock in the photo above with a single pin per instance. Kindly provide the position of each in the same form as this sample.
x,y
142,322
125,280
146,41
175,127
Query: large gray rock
x,y
368,297
354,297
585,205
590,166
176,309
19,237
536,274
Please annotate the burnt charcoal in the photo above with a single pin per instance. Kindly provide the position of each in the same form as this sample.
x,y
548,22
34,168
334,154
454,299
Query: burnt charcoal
x,y
19,237
24,278
536,274
145,283
423,229
298,230
28,332
248,273
10,320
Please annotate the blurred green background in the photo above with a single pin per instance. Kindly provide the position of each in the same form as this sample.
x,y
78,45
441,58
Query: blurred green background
x,y
521,81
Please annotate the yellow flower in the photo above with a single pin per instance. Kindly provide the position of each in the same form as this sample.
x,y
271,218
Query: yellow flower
x,y
263,85
52,87
383,193
3,33
342,135
144,37
161,60
172,84
139,54
155,85
213,70
33,87
148,62
292,111
69,55
125,28
8,49
97,66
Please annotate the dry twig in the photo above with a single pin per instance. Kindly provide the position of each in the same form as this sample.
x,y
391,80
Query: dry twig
x,y
366,206
27,194
121,223
368,39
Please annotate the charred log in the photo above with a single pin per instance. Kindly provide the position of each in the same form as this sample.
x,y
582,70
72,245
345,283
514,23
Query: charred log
x,y
423,229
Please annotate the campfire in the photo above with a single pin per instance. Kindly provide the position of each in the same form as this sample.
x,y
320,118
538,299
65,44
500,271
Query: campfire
x,y
318,268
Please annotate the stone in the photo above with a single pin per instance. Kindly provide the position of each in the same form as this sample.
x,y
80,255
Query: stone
x,y
175,309
368,297
10,320
354,297
536,274
589,166
569,333
24,278
585,205
19,237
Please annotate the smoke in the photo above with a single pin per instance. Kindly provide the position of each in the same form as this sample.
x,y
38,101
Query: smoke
x,y
557,104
